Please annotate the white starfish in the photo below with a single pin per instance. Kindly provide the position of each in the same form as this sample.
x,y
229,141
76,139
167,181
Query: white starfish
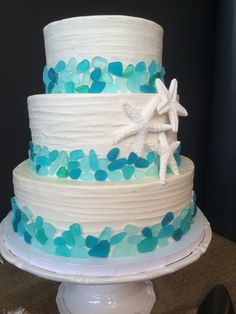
x,y
169,103
141,125
166,153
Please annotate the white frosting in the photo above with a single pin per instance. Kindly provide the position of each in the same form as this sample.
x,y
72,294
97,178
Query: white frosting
x,y
88,121
116,38
97,205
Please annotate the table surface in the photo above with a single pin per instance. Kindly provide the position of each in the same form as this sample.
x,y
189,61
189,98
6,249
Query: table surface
x,y
177,293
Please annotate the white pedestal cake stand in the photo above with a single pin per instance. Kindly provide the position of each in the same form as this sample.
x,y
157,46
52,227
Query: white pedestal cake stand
x,y
106,286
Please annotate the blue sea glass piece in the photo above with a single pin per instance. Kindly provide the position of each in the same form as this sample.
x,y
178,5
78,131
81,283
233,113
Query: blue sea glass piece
x,y
91,241
106,77
59,241
75,229
75,173
129,71
128,171
96,74
52,75
117,164
117,238
97,87
53,155
113,153
50,87
140,67
41,236
39,222
27,237
116,68
166,231
15,224
152,68
105,234
63,251
102,249
177,235
60,66
141,163
73,164
83,66
70,87
93,161
147,245
68,237
135,239
148,89
49,230
131,229
147,232
76,154
100,175
167,219
99,62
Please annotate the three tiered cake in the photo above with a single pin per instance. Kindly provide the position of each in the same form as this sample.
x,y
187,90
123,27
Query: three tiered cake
x,y
104,177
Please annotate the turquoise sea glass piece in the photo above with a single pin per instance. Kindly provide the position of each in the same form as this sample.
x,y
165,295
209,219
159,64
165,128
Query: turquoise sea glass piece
x,y
140,67
43,161
116,68
135,239
15,224
71,64
52,75
121,83
117,164
62,173
80,241
27,237
46,78
177,235
141,163
150,157
102,163
99,62
166,231
53,155
83,66
73,164
105,234
110,88
147,232
44,151
14,204
91,241
50,87
75,173
184,212
86,79
129,71
59,241
63,251
76,154
117,238
115,175
53,169
176,222
60,66
147,245
70,87
79,252
41,236
63,158
152,68
128,171
102,249
124,249
83,89
97,87
148,89
113,153
131,229
167,219
75,229
31,229
156,229
100,175
106,77
21,229
50,247
65,76
133,157
24,217
49,230
68,237
86,176
96,74
43,171
133,83
93,160
39,222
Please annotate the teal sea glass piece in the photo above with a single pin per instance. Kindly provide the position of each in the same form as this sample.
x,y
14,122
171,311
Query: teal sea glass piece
x,y
102,163
152,68
133,83
41,236
50,87
100,175
117,164
177,235
80,252
83,66
43,161
86,176
148,89
141,163
102,249
140,67
93,160
166,231
115,175
46,78
60,66
49,230
97,87
63,158
39,222
63,251
75,230
105,234
129,71
91,241
167,219
156,229
52,75
27,237
76,154
65,76
83,89
68,237
150,157
128,171
113,153
135,239
53,155
70,87
121,83
133,157
99,62
42,171
59,241
147,232
96,74
117,238
75,173
73,164
116,68
110,88
80,241
50,247
147,245
21,229
62,173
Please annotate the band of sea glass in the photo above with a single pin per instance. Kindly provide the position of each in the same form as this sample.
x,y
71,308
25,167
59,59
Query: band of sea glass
x,y
100,76
132,240
78,165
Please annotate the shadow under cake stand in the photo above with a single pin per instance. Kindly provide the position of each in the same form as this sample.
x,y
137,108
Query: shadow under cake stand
x,y
106,286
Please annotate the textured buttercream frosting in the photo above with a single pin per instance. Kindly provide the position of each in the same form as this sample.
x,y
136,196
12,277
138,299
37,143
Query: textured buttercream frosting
x,y
116,38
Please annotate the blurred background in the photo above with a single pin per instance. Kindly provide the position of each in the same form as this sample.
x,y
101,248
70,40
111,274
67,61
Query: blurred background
x,y
199,50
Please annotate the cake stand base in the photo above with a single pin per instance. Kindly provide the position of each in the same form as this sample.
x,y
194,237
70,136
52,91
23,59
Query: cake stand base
x,y
125,298
106,286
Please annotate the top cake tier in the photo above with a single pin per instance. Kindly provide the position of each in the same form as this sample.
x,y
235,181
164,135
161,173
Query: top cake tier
x,y
115,38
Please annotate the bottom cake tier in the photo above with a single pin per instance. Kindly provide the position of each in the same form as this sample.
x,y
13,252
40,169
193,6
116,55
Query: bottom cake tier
x,y
84,220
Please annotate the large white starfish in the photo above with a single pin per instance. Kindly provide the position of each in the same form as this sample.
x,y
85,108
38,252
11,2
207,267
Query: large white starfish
x,y
169,103
166,153
141,125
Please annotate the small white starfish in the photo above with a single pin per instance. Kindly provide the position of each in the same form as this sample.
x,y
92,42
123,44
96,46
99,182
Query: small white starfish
x,y
141,125
169,103
166,153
